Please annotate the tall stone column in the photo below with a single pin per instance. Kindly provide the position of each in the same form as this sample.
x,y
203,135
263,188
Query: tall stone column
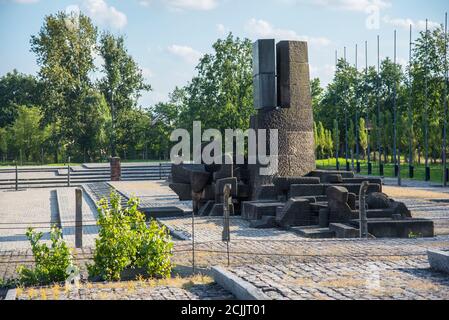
x,y
294,117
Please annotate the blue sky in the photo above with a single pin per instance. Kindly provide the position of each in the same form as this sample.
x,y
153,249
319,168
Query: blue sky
x,y
166,37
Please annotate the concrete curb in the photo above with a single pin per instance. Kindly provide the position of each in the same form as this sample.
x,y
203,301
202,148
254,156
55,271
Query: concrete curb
x,y
240,288
11,294
438,260
175,233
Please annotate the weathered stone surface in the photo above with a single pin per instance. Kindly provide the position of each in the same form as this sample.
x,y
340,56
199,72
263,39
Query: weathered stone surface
x,y
439,260
294,120
352,201
252,210
180,173
226,170
339,210
183,190
267,192
405,228
206,208
322,173
355,187
306,190
332,178
296,212
199,180
283,183
378,200
344,231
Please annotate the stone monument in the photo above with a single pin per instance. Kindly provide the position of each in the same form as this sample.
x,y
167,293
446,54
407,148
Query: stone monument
x,y
297,197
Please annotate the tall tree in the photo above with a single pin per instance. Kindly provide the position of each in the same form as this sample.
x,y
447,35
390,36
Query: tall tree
x,y
123,82
64,48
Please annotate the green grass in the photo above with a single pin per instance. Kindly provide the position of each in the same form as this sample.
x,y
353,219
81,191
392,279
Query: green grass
x,y
436,170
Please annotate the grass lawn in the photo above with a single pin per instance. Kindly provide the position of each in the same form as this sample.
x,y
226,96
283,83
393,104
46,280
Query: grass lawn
x,y
436,170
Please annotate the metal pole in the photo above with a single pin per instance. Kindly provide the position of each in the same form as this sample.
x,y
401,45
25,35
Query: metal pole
x,y
362,210
394,114
68,173
410,120
445,173
17,176
367,107
346,124
79,218
337,141
357,150
426,107
379,147
397,153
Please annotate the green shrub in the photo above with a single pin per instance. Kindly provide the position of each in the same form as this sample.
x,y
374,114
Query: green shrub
x,y
51,262
126,242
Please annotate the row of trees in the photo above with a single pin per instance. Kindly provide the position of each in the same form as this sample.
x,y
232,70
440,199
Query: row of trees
x,y
64,112
370,95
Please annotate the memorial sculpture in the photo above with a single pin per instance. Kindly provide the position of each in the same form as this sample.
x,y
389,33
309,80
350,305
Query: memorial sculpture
x,y
298,197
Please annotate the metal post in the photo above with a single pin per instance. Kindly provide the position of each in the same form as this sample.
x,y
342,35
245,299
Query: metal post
x,y
426,107
357,150
79,218
346,125
445,173
379,147
68,173
17,176
160,171
227,203
362,210
337,141
396,146
196,197
367,108
410,120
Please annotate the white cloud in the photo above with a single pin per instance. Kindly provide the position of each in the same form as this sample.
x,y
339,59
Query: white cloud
x,y
202,5
346,5
188,54
405,23
103,14
263,29
221,29
325,73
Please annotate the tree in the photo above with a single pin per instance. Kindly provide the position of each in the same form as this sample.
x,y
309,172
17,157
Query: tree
x,y
221,95
27,135
123,82
363,136
336,137
16,89
64,48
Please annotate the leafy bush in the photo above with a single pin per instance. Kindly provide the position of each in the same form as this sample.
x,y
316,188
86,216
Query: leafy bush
x,y
126,242
51,262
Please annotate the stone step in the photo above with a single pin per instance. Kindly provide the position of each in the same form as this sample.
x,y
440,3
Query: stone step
x,y
314,232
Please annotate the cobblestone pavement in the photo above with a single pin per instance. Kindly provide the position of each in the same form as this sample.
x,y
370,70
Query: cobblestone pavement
x,y
21,209
40,208
185,289
151,194
409,279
